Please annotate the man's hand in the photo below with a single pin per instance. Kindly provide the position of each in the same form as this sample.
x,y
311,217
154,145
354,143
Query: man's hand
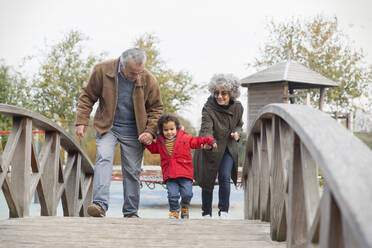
x,y
80,131
235,136
145,138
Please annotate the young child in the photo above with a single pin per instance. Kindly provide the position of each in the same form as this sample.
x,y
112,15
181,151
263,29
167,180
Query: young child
x,y
174,146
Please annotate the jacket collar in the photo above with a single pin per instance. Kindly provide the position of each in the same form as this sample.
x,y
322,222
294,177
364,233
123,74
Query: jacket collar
x,y
112,71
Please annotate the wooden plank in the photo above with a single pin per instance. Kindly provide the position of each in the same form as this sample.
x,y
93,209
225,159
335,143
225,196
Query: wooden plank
x,y
246,181
311,187
21,169
331,230
50,174
265,172
119,232
66,173
276,183
314,230
297,225
250,188
14,209
41,186
87,196
349,239
10,147
256,177
72,188
36,175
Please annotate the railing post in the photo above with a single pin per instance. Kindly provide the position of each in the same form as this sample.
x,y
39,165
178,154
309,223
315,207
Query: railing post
x,y
21,169
50,174
72,188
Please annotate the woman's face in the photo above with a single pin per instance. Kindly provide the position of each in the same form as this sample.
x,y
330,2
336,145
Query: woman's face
x,y
222,96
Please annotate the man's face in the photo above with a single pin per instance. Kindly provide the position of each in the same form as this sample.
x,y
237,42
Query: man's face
x,y
132,71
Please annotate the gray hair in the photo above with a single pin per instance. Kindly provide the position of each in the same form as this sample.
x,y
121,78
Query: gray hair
x,y
133,54
227,81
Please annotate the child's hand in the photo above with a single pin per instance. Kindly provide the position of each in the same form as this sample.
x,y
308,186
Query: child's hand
x,y
205,146
235,136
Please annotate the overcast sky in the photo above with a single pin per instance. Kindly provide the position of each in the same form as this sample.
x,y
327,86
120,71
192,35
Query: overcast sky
x,y
201,37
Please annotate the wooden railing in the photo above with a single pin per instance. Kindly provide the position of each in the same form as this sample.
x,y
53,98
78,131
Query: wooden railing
x,y
288,149
23,172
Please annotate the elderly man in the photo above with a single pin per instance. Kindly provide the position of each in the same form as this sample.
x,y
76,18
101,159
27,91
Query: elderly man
x,y
129,108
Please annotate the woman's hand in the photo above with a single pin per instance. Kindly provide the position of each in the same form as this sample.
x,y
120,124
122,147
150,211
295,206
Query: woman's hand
x,y
235,136
214,145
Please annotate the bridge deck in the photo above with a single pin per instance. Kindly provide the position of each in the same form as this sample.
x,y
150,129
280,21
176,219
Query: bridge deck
x,y
118,232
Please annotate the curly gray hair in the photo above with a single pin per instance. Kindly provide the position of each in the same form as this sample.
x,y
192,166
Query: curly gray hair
x,y
133,54
227,81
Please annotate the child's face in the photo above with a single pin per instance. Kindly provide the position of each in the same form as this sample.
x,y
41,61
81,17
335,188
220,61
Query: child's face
x,y
169,129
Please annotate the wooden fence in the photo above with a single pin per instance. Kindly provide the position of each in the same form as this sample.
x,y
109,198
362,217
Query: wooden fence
x,y
288,148
23,172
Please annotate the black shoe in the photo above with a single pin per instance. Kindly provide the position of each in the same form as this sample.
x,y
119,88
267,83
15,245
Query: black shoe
x,y
131,216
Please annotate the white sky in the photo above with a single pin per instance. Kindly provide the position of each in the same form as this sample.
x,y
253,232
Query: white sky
x,y
199,36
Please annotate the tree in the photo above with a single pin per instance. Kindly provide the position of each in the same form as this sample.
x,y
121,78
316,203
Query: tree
x,y
13,91
61,75
13,87
176,87
319,44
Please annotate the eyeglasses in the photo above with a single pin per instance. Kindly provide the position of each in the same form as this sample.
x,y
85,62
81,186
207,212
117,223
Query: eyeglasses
x,y
222,93
135,74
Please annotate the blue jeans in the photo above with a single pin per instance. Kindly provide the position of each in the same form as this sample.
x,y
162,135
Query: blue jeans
x,y
131,159
179,187
224,174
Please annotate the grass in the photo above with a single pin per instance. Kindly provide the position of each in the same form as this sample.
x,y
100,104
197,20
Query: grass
x,y
366,138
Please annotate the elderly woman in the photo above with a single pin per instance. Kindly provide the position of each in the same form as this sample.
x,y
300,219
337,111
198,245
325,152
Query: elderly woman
x,y
222,120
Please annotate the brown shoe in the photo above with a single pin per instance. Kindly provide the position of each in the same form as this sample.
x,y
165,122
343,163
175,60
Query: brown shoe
x,y
174,214
185,213
95,210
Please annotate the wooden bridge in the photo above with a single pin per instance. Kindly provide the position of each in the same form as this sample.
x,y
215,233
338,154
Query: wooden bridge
x,y
288,147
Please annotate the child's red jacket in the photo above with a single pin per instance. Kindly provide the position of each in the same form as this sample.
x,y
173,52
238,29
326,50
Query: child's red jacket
x,y
179,164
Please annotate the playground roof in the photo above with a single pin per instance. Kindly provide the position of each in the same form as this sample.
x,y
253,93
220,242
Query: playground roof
x,y
297,75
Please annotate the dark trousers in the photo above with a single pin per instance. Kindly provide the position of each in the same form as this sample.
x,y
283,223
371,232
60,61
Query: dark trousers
x,y
224,174
179,187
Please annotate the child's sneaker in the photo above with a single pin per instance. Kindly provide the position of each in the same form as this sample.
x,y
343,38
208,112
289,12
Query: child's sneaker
x,y
185,213
174,214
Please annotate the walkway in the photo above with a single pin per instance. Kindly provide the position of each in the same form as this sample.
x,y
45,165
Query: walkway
x,y
118,232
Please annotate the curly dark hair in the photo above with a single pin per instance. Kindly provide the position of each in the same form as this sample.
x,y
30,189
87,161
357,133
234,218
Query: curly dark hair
x,y
165,119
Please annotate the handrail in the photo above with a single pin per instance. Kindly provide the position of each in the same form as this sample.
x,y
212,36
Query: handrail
x,y
23,171
287,145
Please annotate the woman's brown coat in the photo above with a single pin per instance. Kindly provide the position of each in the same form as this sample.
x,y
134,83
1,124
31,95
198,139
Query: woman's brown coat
x,y
218,123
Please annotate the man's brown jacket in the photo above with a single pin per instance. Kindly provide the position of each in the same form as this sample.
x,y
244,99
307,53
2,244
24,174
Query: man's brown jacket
x,y
102,86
